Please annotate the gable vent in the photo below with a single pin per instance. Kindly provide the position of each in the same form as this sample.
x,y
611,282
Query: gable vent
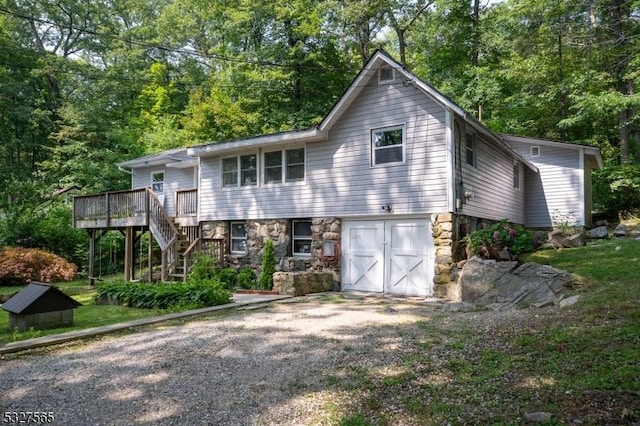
x,y
535,151
386,75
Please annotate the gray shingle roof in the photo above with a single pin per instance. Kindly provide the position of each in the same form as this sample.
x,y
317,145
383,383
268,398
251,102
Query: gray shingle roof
x,y
37,298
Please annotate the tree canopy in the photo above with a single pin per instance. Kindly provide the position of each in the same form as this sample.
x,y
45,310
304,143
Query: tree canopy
x,y
84,85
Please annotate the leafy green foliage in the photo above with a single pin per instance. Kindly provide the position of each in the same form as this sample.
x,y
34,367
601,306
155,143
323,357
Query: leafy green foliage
x,y
191,295
268,266
19,265
204,269
228,278
247,278
489,242
617,188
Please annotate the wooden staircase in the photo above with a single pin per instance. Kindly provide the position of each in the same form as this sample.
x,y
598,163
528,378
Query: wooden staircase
x,y
182,266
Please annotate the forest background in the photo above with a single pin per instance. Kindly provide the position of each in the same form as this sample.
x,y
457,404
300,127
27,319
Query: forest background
x,y
86,84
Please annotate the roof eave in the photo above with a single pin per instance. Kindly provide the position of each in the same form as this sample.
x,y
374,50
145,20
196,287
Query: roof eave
x,y
309,135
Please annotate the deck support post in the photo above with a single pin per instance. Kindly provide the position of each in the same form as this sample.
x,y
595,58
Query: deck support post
x,y
128,253
92,256
150,257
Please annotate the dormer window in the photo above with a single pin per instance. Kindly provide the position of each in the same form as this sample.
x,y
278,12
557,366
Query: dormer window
x,y
386,75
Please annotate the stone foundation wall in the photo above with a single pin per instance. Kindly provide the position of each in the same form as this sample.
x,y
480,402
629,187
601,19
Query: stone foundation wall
x,y
323,229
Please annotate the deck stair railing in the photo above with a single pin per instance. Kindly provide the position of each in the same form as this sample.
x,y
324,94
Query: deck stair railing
x,y
165,233
210,247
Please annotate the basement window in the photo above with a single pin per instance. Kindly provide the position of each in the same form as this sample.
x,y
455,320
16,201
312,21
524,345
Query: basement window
x,y
238,238
301,237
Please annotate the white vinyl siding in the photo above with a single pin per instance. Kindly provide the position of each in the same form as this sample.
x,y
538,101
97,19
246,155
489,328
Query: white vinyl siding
x,y
175,179
491,183
339,180
556,189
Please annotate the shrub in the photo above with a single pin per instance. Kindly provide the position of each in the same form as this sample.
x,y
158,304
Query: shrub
x,y
491,243
268,266
204,269
191,295
228,278
20,265
247,278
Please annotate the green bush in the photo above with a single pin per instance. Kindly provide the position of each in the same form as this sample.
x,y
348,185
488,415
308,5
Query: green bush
x,y
268,266
490,242
191,295
247,279
228,278
204,269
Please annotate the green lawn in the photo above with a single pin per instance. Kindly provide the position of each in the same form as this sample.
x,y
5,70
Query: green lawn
x,y
581,363
86,316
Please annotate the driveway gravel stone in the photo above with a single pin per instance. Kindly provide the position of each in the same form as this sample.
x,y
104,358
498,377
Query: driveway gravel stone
x,y
267,366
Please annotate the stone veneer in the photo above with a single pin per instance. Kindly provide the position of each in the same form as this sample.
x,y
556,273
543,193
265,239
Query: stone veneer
x,y
278,230
448,230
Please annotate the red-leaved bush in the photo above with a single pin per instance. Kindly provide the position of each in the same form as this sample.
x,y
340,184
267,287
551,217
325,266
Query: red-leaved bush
x,y
20,265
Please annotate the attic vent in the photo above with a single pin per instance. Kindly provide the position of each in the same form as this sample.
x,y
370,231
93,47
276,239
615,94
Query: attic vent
x,y
386,75
535,151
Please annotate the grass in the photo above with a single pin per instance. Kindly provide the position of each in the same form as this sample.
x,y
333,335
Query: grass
x,y
86,316
580,363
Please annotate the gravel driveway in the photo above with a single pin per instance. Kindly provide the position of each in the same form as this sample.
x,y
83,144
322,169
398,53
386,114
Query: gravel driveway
x,y
268,366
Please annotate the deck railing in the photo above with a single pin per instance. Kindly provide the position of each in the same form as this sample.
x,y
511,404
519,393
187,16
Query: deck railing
x,y
111,209
187,203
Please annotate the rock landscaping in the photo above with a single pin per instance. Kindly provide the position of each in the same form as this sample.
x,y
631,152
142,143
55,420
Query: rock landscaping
x,y
502,285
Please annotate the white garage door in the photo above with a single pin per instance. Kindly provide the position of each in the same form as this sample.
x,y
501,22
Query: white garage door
x,y
391,256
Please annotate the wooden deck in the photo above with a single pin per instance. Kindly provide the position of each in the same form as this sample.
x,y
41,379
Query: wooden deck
x,y
137,211
123,209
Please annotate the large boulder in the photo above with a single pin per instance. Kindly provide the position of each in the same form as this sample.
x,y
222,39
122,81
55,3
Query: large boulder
x,y
499,285
598,233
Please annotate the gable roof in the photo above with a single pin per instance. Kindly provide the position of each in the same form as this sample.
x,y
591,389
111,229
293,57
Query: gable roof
x,y
378,60
37,298
591,152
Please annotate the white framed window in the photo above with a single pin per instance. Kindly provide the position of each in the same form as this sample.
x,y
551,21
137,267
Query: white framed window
x,y
516,175
240,171
535,151
386,75
157,182
387,145
248,170
301,237
284,166
230,171
273,167
294,163
238,237
470,147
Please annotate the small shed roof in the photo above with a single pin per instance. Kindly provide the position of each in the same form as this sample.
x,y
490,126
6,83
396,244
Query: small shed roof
x,y
37,298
